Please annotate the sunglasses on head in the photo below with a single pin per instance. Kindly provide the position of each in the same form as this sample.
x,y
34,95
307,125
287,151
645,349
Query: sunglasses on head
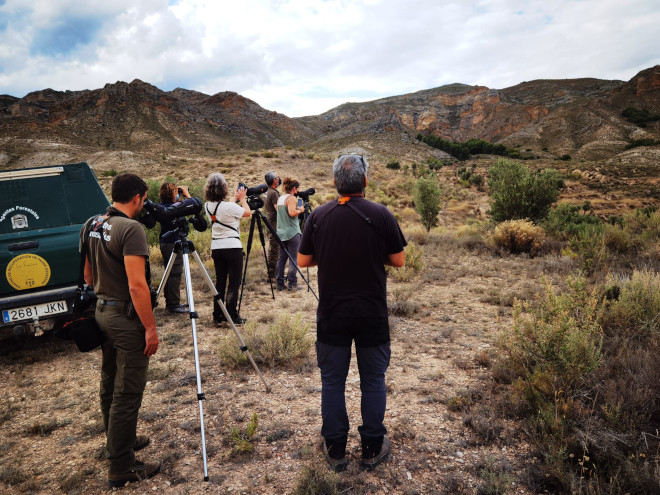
x,y
353,154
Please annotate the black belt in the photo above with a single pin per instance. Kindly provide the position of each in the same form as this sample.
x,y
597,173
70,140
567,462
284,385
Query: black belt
x,y
107,302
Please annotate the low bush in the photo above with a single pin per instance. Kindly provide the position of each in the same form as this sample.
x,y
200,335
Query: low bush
x,y
393,165
414,264
585,375
517,236
281,342
565,221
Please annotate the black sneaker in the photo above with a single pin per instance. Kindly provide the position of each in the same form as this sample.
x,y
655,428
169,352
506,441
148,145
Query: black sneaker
x,y
181,308
371,462
337,465
237,320
140,471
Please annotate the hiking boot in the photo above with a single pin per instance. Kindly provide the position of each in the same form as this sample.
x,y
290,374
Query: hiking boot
x,y
336,465
237,320
174,310
371,462
140,471
141,441
280,288
294,288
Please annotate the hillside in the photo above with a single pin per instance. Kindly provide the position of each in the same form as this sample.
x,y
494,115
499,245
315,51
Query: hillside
x,y
550,118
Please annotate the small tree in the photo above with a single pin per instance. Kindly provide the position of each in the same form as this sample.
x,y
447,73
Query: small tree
x,y
517,193
427,196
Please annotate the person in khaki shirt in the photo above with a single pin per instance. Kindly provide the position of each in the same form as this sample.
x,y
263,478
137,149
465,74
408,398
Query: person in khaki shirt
x,y
270,207
116,266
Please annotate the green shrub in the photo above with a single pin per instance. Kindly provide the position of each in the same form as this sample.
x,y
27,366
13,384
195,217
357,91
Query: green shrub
x,y
414,264
279,343
393,165
518,193
641,142
476,180
589,245
639,116
552,349
518,236
427,197
565,221
317,480
242,441
585,369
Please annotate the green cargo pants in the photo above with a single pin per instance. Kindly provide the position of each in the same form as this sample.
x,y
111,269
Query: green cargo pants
x,y
123,378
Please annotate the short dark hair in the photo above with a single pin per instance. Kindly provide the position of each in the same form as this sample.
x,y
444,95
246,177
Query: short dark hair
x,y
126,186
349,172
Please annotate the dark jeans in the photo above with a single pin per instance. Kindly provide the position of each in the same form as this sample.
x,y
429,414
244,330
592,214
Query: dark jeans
x,y
228,265
123,377
273,253
333,362
292,275
171,290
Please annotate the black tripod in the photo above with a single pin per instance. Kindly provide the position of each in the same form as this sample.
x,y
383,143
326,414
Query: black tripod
x,y
183,247
257,218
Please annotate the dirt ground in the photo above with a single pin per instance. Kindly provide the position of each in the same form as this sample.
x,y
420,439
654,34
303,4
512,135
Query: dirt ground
x,y
52,438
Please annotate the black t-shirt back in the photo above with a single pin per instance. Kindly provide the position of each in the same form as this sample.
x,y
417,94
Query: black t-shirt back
x,y
351,254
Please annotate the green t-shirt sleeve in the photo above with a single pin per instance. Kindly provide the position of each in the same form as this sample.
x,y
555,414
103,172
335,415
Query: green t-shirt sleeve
x,y
135,240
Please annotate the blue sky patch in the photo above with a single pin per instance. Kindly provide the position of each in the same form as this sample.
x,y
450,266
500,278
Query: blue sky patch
x,y
65,36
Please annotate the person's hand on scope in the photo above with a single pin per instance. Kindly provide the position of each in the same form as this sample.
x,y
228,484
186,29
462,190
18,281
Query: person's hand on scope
x,y
183,190
241,193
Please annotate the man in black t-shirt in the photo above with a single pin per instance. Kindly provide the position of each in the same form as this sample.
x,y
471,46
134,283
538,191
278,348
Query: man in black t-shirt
x,y
351,240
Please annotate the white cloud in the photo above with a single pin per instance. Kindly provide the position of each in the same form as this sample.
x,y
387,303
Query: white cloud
x,y
302,57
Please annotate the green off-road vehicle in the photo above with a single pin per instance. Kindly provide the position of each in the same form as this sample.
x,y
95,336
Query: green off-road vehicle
x,y
41,213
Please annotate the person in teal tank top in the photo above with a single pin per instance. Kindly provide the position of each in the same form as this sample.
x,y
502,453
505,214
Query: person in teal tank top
x,y
288,230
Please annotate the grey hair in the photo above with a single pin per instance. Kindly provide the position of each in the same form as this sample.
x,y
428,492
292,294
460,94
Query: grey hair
x,y
349,172
270,177
216,187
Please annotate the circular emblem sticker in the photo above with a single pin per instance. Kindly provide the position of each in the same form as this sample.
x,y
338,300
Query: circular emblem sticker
x,y
28,271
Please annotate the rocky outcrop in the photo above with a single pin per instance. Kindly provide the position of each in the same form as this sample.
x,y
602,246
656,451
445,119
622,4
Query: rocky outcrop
x,y
579,117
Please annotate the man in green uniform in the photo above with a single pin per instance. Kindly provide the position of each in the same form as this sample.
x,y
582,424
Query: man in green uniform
x,y
117,258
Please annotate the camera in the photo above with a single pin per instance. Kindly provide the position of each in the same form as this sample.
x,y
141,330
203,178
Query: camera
x,y
153,213
306,193
253,194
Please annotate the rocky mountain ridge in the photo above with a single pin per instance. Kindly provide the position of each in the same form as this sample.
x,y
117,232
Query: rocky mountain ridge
x,y
580,117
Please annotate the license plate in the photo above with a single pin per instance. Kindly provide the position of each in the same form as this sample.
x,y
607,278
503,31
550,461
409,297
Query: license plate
x,y
35,311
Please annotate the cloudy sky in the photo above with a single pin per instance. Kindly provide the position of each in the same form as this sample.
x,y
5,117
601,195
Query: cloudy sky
x,y
303,57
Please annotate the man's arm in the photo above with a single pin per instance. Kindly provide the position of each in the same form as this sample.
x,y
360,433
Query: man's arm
x,y
141,297
397,259
306,260
88,274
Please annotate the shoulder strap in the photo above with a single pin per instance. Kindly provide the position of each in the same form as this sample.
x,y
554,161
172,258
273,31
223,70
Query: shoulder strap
x,y
83,252
214,219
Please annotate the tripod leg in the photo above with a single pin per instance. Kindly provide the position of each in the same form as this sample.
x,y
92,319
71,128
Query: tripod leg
x,y
166,275
243,347
263,245
247,257
200,394
281,244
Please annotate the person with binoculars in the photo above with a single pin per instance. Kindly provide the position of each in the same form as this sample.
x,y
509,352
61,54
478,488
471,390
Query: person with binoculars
x,y
226,247
288,230
170,195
